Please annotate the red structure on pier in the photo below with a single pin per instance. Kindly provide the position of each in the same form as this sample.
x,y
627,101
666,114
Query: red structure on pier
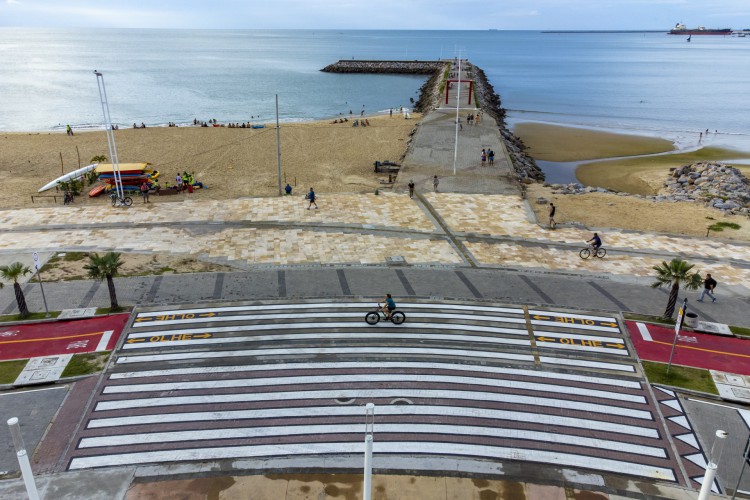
x,y
448,88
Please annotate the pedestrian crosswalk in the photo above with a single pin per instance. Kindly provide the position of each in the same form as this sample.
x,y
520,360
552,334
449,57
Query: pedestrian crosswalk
x,y
458,380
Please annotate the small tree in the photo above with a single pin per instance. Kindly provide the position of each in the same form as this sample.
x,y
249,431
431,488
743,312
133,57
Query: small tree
x,y
12,273
105,267
675,273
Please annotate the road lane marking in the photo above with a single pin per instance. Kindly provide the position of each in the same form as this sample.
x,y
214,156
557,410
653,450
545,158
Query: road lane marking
x,y
369,377
704,350
645,334
554,458
51,338
323,429
104,341
197,370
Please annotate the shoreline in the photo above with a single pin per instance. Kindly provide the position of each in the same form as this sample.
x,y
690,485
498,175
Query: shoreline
x,y
639,165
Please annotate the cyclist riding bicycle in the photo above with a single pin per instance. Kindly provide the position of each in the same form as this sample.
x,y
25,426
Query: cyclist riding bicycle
x,y
388,305
595,242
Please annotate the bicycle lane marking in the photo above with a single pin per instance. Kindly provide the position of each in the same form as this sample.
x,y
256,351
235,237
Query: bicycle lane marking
x,y
63,337
698,350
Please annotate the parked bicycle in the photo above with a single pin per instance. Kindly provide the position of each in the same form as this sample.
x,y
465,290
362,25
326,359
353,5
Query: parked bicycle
x,y
589,251
373,317
125,201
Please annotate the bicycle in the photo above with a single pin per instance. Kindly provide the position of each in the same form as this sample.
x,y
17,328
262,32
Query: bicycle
x,y
589,251
125,201
373,317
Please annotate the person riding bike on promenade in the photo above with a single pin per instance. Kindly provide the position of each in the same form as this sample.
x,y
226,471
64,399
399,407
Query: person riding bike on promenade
x,y
388,306
595,242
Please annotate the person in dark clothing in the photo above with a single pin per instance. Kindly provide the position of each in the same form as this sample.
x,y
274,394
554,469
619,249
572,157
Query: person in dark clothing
x,y
708,288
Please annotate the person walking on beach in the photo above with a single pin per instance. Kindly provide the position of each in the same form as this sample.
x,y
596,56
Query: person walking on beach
x,y
484,156
435,182
491,156
144,191
178,181
311,197
411,188
68,130
552,209
708,288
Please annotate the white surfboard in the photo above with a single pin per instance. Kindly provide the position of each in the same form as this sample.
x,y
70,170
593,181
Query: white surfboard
x,y
75,174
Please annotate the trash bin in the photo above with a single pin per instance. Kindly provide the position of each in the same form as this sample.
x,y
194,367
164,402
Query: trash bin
x,y
691,320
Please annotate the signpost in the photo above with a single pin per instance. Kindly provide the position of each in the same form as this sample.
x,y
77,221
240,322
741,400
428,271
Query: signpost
x,y
677,326
39,277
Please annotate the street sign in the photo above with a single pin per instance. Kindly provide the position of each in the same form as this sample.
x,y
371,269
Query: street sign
x,y
36,260
678,324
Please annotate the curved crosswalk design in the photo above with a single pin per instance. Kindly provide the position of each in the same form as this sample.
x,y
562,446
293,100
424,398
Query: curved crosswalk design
x,y
457,380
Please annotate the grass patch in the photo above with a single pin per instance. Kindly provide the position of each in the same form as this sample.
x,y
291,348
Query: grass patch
x,y
648,318
742,331
32,316
696,379
75,256
9,370
86,363
109,310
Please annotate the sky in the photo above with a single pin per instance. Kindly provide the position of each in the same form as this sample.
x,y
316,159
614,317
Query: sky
x,y
376,14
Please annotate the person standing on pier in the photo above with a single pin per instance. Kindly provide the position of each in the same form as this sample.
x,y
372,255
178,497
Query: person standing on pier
x,y
435,182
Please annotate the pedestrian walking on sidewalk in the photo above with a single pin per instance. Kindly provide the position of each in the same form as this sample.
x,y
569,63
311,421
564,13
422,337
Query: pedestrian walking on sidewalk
x,y
552,209
708,288
311,197
411,188
491,157
435,182
484,156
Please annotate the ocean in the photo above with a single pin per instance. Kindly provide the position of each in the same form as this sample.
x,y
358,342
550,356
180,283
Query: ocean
x,y
647,83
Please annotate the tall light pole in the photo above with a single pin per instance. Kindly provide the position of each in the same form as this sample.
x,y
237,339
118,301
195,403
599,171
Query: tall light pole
x,y
278,142
713,464
110,135
458,100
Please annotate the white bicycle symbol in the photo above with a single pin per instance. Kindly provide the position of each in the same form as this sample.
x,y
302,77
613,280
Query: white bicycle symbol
x,y
9,333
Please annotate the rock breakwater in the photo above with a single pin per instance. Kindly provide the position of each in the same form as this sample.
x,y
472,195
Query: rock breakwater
x,y
713,184
405,67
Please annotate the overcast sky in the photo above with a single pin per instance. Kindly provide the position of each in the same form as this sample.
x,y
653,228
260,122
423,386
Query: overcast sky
x,y
377,14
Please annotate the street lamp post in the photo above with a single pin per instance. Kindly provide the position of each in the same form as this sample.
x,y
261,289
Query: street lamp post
x,y
713,464
110,135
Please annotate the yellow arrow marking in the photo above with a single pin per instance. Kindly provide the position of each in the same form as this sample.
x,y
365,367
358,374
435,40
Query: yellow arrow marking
x,y
51,338
536,316
207,315
546,339
609,324
133,341
616,346
145,318
203,336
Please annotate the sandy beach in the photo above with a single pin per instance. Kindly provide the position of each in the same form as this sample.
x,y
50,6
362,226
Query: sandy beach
x,y
231,162
642,174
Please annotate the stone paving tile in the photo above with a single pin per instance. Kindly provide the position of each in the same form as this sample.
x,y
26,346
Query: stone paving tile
x,y
502,215
386,209
248,245
510,254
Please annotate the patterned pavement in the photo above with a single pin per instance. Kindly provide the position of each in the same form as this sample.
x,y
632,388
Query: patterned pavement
x,y
459,381
494,230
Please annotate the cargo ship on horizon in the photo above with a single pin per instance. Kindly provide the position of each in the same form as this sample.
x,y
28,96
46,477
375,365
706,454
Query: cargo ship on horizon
x,y
681,29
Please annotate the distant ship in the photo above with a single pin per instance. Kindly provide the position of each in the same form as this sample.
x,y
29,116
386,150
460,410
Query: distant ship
x,y
681,29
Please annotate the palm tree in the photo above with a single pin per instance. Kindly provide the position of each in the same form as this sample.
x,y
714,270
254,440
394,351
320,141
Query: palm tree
x,y
675,273
105,267
12,273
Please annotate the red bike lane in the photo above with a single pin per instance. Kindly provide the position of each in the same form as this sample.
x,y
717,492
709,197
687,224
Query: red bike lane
x,y
699,350
61,337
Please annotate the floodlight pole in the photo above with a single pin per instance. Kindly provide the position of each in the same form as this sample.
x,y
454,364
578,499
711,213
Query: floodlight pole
x,y
458,100
278,142
110,135
713,465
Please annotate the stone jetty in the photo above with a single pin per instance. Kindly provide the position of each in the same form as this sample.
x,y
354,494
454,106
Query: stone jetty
x,y
524,167
404,67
